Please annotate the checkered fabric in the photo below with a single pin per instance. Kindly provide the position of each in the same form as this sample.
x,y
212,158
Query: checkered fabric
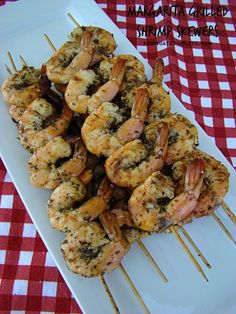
x,y
202,76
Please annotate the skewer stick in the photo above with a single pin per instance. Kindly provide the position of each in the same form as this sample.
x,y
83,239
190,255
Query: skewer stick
x,y
73,19
151,260
195,247
8,69
11,61
50,43
108,292
229,212
193,259
220,223
135,291
23,61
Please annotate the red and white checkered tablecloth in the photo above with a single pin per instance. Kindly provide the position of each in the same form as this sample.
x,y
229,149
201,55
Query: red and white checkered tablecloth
x,y
202,76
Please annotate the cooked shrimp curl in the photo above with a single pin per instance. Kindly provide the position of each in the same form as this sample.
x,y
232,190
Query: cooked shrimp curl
x,y
76,91
153,204
95,247
131,164
60,70
100,133
44,165
31,130
22,87
134,76
159,102
63,212
183,136
87,46
215,184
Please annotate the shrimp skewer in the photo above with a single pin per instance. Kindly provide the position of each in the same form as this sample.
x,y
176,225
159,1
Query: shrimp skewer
x,y
31,130
151,215
96,130
87,46
81,61
134,77
215,184
43,169
22,87
133,234
75,94
91,250
66,216
183,136
153,204
131,164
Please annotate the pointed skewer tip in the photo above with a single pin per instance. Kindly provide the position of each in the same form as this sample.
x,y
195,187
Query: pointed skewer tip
x,y
72,19
11,61
109,294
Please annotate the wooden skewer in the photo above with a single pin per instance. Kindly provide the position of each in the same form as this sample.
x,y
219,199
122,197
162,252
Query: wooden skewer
x,y
220,223
73,19
135,291
151,260
229,212
11,61
186,249
108,292
8,69
195,247
50,43
23,61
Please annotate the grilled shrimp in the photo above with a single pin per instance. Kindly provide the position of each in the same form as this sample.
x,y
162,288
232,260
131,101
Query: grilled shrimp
x,y
159,102
21,88
97,130
134,76
91,250
76,91
131,164
153,204
31,130
63,65
215,184
63,210
87,45
183,136
43,164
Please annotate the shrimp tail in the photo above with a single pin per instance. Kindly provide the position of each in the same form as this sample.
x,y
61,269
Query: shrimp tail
x,y
86,176
105,189
110,225
194,176
86,42
118,71
183,205
140,106
133,127
158,71
162,140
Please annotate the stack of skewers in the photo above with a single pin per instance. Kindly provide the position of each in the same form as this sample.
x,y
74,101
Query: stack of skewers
x,y
121,165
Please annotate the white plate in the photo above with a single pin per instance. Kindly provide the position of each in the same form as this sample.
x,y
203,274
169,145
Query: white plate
x,y
22,25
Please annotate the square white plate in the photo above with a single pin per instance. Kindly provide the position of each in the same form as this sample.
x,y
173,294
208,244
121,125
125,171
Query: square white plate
x,y
22,25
